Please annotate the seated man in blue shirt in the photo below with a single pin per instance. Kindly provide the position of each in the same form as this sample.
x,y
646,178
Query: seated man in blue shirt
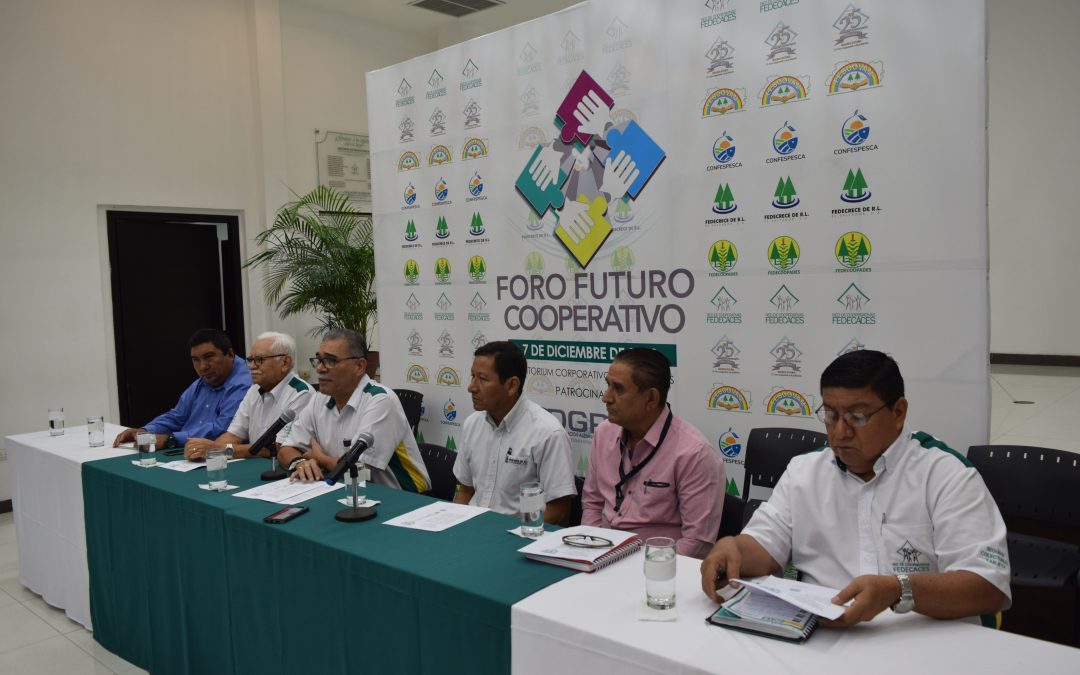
x,y
208,405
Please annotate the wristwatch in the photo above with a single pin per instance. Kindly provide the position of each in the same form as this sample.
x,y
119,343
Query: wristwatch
x,y
171,442
296,462
906,603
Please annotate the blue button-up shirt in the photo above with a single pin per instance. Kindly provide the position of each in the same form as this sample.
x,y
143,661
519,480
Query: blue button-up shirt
x,y
204,411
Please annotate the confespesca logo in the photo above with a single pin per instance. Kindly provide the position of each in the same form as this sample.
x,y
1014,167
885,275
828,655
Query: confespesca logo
x,y
786,358
785,196
408,161
856,129
729,398
854,302
730,445
785,139
851,27
442,271
476,185
720,59
412,272
855,187
724,199
853,252
406,128
438,122
416,373
475,148
442,190
723,257
477,269
449,411
410,195
723,149
725,356
723,101
855,75
448,377
472,114
781,41
785,89
783,254
787,402
410,231
440,154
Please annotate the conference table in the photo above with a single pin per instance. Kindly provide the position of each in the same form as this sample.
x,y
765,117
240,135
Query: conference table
x,y
46,493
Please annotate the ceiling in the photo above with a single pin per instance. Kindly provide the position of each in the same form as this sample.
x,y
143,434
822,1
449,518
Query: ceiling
x,y
399,15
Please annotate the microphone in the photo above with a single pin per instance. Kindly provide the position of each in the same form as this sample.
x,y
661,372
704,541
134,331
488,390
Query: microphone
x,y
268,436
363,442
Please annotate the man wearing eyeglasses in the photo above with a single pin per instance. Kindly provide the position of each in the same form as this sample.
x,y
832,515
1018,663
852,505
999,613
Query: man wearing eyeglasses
x,y
208,405
276,388
894,518
348,403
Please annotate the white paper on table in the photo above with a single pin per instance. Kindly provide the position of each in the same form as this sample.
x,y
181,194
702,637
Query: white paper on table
x,y
811,597
288,491
206,486
181,465
436,517
360,501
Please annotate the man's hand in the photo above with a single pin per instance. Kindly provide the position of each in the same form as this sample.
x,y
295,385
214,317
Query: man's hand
x,y
126,436
720,566
195,448
619,175
870,595
307,471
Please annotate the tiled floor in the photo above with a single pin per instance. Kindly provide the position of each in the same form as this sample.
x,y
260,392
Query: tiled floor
x,y
36,638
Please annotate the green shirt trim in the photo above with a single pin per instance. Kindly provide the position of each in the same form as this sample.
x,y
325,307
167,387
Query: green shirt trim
x,y
299,385
928,441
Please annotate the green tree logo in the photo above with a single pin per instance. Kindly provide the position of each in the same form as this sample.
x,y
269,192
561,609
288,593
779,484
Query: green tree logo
x,y
410,231
731,487
534,263
723,255
783,253
442,230
724,200
785,197
412,271
853,249
622,259
476,227
442,271
477,268
450,444
855,188
623,212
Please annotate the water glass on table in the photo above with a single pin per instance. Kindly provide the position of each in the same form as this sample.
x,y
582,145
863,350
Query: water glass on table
x,y
216,462
146,442
56,421
660,572
532,509
95,430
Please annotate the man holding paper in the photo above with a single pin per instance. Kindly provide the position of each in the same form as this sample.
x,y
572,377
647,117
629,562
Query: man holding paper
x,y
892,517
349,402
510,440
276,388
650,471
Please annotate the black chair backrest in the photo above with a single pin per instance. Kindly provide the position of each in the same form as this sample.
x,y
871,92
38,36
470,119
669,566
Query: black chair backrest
x,y
411,403
575,503
440,465
731,522
768,451
1036,489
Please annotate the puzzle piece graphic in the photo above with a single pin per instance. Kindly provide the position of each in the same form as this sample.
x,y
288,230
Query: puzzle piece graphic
x,y
583,250
564,116
540,200
647,155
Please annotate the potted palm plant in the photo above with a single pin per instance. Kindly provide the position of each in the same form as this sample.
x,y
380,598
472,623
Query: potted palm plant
x,y
319,257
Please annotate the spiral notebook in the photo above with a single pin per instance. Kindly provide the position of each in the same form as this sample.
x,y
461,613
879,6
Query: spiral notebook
x,y
763,614
551,548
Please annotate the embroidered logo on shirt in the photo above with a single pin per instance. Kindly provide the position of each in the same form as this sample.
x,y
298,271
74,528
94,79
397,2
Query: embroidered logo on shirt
x,y
910,560
519,461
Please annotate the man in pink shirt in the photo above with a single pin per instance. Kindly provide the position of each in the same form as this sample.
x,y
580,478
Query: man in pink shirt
x,y
650,471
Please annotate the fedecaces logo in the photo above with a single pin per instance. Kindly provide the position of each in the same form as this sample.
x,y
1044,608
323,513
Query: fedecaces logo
x,y
586,125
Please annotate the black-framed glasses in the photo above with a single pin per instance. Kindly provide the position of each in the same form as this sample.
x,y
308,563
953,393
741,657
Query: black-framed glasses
x,y
330,361
856,420
257,361
587,541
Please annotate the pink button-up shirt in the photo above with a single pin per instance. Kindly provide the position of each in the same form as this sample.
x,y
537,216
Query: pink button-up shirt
x,y
679,493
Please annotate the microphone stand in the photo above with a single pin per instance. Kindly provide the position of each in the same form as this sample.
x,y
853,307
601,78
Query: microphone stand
x,y
355,513
275,472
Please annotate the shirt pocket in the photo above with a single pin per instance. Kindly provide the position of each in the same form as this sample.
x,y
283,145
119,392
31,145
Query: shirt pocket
x,y
907,548
658,499
518,465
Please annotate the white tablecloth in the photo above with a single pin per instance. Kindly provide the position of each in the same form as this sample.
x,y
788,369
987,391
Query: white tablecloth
x,y
47,495
589,623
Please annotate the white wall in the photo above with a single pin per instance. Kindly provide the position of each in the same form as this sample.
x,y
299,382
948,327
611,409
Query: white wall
x,y
1034,221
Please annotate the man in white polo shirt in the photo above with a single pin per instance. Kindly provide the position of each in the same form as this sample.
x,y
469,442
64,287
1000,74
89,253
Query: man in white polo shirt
x,y
276,388
348,403
510,440
894,518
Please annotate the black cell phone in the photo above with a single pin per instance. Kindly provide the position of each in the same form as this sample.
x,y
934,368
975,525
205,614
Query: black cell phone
x,y
174,452
285,515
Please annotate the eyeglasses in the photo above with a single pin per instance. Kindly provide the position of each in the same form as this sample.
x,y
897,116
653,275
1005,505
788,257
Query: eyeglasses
x,y
856,420
330,361
257,361
587,541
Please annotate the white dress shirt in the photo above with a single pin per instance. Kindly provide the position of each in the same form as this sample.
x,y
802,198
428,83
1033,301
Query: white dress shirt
x,y
259,409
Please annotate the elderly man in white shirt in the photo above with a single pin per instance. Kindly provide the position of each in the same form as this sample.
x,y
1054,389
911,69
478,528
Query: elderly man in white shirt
x,y
510,440
276,388
894,518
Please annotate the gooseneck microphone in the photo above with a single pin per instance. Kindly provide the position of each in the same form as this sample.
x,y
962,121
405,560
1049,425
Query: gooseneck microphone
x,y
267,440
354,513
362,443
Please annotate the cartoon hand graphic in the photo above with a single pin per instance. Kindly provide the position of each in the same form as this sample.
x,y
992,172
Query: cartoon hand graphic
x,y
576,220
591,114
619,175
545,168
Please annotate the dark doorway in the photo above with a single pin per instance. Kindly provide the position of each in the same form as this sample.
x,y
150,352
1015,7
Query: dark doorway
x,y
171,274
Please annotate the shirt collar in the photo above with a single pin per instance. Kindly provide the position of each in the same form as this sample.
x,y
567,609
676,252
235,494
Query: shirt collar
x,y
280,387
652,436
511,417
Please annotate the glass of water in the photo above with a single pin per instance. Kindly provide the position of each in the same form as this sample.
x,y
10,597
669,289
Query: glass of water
x,y
532,509
95,428
660,572
216,461
56,421
146,442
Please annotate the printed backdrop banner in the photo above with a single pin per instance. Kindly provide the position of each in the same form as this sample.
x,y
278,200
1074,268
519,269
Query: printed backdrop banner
x,y
752,187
